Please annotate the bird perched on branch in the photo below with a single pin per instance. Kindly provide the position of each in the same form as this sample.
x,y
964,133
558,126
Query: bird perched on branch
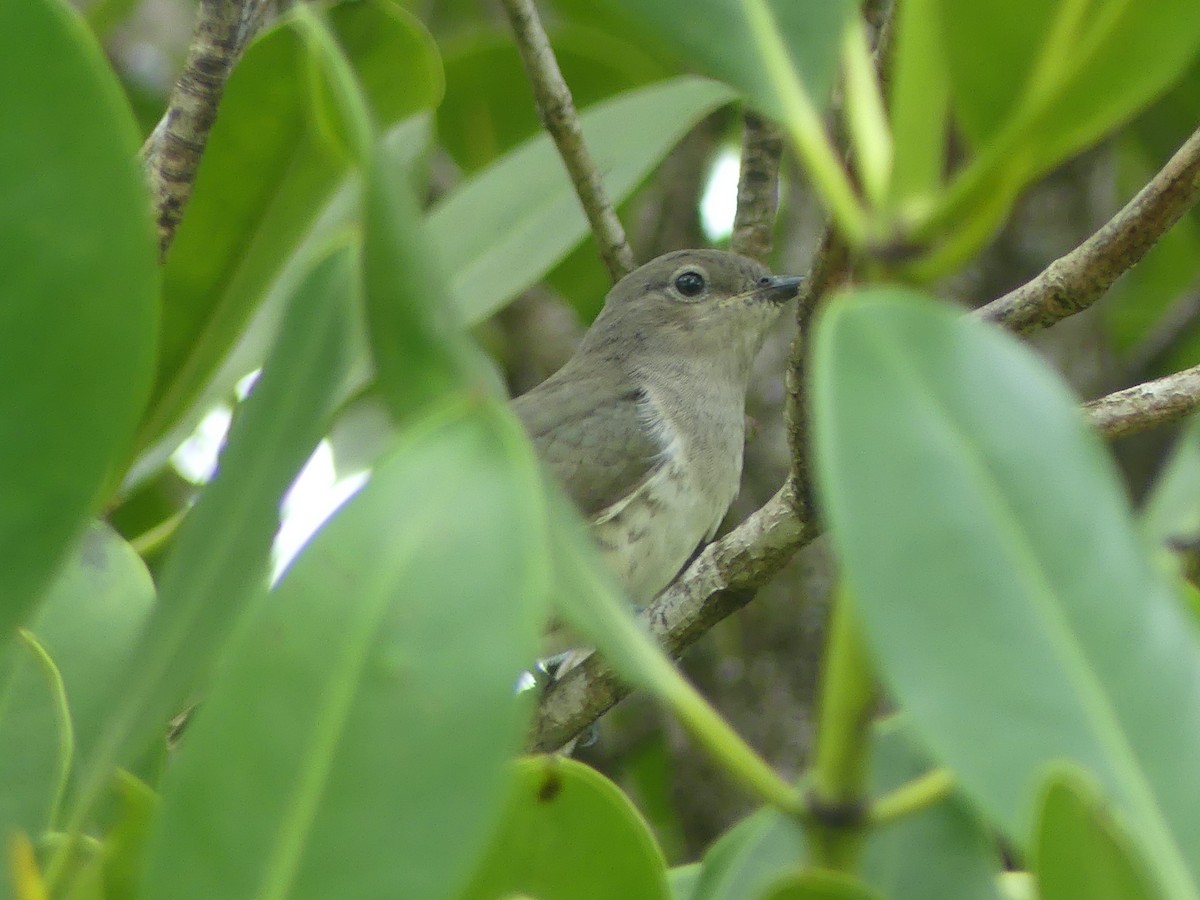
x,y
644,426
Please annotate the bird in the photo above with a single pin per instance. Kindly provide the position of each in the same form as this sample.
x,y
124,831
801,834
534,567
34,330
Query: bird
x,y
644,426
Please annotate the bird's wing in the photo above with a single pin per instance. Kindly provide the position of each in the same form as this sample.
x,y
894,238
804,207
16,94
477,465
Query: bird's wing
x,y
596,438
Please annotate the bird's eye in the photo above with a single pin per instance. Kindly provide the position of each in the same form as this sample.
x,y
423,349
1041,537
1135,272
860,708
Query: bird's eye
x,y
689,284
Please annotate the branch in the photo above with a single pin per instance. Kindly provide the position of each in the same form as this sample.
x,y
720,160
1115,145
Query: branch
x,y
557,112
758,188
1143,406
172,153
1074,282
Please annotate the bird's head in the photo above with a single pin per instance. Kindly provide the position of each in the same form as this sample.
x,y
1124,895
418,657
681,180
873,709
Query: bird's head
x,y
692,305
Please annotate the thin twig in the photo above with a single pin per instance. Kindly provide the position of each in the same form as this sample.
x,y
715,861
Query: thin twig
x,y
557,112
758,187
172,152
1148,405
1074,282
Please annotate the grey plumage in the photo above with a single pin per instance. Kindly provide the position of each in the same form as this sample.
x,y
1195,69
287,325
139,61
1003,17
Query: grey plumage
x,y
644,425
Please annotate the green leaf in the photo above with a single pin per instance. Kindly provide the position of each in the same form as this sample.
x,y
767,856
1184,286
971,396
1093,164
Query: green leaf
x,y
89,623
746,860
78,295
36,745
354,743
718,38
943,850
488,108
919,95
259,190
1060,74
569,831
820,885
1172,508
501,230
421,352
682,881
940,851
1080,852
219,562
1003,587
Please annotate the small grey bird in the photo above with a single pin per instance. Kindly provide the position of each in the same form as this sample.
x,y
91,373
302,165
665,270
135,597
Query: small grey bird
x,y
645,425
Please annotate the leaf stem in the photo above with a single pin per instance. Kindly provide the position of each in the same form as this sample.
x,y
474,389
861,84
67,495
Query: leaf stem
x,y
837,799
866,120
912,797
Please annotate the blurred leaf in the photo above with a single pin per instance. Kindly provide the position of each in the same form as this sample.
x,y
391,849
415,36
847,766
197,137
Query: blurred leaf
x,y
919,99
745,861
89,623
820,885
940,851
259,189
1073,646
36,746
505,227
402,143
354,743
569,831
682,881
219,563
1080,852
420,350
716,36
1172,509
125,842
78,306
488,107
1063,73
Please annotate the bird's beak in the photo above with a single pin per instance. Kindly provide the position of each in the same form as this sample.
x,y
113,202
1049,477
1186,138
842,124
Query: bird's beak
x,y
779,288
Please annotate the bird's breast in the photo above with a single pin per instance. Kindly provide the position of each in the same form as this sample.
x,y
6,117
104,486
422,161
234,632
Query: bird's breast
x,y
652,536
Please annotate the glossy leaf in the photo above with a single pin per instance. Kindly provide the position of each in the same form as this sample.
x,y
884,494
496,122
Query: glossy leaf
x,y
717,37
1061,73
354,745
568,831
1017,618
259,189
507,226
78,294
219,563
1080,852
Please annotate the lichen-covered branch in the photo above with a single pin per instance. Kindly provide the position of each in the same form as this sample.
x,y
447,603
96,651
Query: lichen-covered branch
x,y
172,152
557,112
1074,282
1149,405
758,188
